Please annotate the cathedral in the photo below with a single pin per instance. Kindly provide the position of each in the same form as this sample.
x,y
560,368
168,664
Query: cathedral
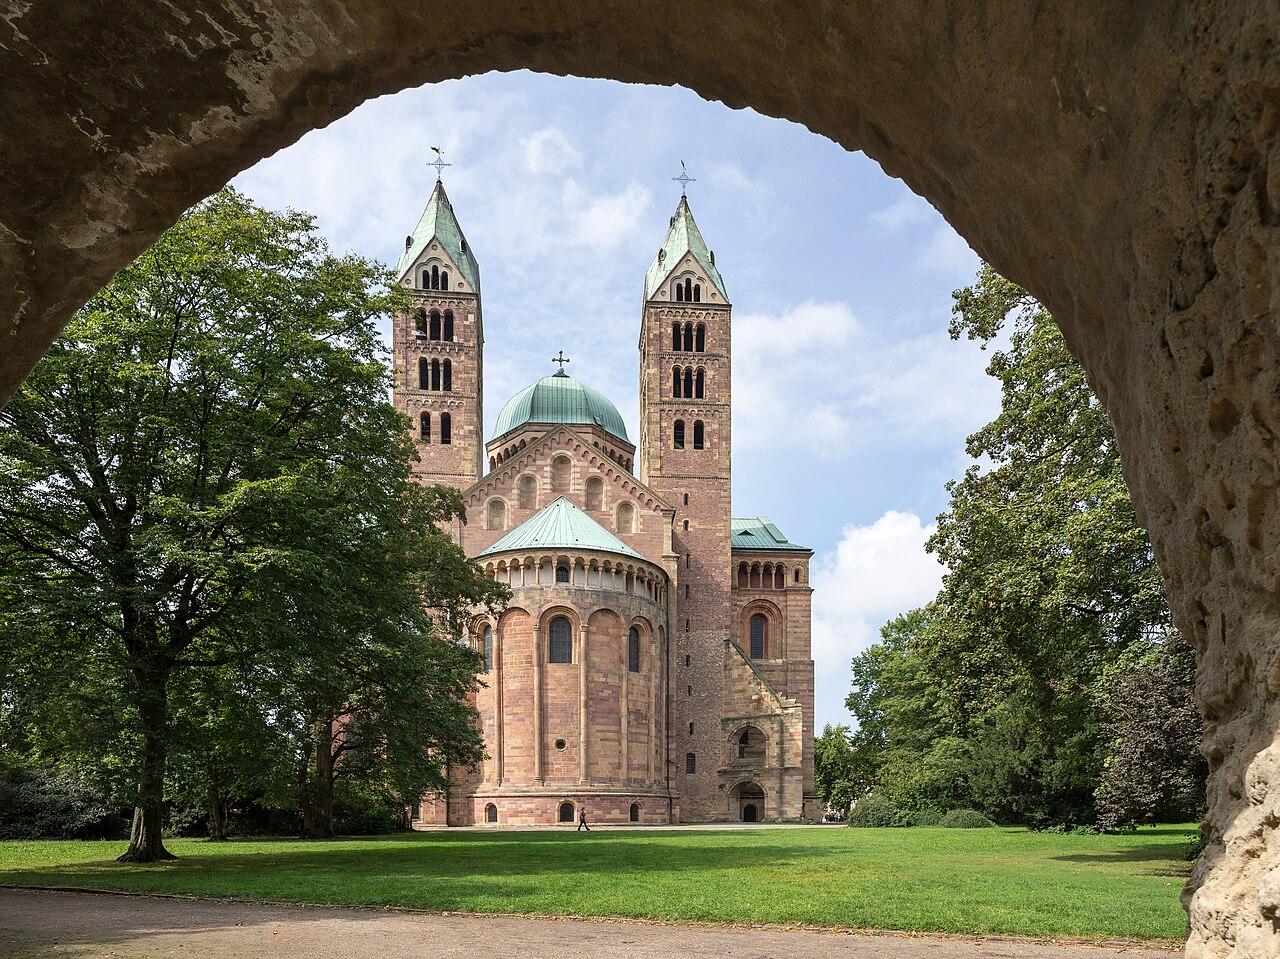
x,y
653,665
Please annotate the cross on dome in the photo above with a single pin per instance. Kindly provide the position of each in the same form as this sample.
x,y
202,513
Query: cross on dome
x,y
562,360
439,163
684,179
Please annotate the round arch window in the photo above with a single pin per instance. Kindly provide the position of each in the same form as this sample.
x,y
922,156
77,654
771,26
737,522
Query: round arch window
x,y
566,812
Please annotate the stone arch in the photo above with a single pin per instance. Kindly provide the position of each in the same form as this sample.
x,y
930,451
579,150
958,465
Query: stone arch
x,y
749,797
495,513
566,812
561,471
775,632
748,743
490,813
527,491
1176,269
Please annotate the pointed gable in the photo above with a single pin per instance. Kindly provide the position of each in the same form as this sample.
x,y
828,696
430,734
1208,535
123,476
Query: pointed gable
x,y
683,237
439,223
560,525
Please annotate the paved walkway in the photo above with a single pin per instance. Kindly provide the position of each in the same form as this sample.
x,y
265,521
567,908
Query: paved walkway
x,y
82,925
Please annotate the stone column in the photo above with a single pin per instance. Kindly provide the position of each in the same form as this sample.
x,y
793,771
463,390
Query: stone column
x,y
624,711
499,718
583,766
537,703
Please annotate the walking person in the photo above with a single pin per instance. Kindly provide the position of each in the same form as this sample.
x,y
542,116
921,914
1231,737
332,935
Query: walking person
x,y
582,820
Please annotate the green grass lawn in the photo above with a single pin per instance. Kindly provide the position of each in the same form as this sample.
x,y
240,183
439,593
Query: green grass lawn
x,y
948,880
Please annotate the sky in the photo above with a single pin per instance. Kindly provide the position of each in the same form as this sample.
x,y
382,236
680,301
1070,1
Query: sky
x,y
850,402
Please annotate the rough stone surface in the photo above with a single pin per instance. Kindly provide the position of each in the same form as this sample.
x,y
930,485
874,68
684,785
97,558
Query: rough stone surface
x,y
1120,161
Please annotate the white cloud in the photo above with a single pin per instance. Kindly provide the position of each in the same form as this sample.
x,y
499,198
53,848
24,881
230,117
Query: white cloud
x,y
875,573
905,211
948,252
549,151
602,221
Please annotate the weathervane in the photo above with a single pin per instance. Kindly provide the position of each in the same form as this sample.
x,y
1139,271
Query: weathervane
x,y
561,359
439,163
684,179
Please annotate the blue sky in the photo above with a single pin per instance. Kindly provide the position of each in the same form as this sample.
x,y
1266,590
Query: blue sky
x,y
851,404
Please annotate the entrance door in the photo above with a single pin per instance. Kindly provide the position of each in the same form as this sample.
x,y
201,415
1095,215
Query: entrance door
x,y
749,812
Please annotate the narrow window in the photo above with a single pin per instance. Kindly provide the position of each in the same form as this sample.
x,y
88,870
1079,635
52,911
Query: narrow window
x,y
675,382
447,382
686,499
691,724
758,633
688,290
495,515
688,337
527,493
742,576
490,813
448,325
679,292
699,435
435,324
561,474
675,336
626,519
426,277
424,375
444,279
424,427
488,649
420,322
595,494
690,763
562,574
446,430
689,690
700,338
686,590
633,650
797,574
561,641
687,660
688,381
700,387
435,374
697,292
686,526
435,279
566,812
779,578
679,434
634,814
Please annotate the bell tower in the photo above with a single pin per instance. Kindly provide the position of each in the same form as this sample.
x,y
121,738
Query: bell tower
x,y
685,455
438,347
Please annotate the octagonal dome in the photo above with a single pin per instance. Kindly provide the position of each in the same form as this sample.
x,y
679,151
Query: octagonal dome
x,y
559,398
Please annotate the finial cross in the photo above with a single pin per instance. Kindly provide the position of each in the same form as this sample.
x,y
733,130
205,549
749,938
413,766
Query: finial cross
x,y
561,359
439,163
684,179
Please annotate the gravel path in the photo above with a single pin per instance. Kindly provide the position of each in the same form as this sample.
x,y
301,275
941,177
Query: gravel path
x,y
75,925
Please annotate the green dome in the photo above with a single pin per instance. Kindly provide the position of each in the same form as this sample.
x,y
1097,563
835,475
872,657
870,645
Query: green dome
x,y
559,398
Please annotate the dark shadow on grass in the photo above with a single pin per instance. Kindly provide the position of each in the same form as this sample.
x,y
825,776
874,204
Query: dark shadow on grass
x,y
1170,852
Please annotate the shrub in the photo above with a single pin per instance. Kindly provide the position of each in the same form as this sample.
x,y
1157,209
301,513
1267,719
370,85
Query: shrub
x,y
965,819
56,802
877,812
926,817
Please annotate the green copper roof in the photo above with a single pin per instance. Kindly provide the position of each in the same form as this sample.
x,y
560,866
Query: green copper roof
x,y
560,525
759,533
559,398
682,237
439,222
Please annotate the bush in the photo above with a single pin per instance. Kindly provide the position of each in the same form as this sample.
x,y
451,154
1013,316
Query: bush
x,y
877,812
965,819
56,802
926,817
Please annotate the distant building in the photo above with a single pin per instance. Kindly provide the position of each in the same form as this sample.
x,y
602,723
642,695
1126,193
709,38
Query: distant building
x,y
654,665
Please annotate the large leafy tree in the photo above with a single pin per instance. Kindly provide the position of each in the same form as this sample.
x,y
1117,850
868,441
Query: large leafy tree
x,y
203,472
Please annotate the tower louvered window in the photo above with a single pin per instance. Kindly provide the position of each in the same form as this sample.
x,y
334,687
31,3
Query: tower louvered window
x,y
424,427
424,374
446,429
448,325
700,338
447,379
678,432
699,435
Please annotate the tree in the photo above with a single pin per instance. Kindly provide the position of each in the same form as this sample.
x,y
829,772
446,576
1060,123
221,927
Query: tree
x,y
203,472
833,772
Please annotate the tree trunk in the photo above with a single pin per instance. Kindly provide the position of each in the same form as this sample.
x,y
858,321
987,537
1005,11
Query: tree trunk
x,y
145,841
318,812
214,799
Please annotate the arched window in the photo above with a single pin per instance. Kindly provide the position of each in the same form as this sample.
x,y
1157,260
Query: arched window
x,y
699,435
675,336
435,277
688,337
595,494
700,384
686,526
435,324
495,515
487,647
688,290
779,578
691,724
447,380
490,813
560,647
797,574
562,574
700,338
426,277
634,814
561,474
424,374
678,434
690,763
751,744
679,292
444,279
420,322
742,576
626,519
633,650
697,292
688,381
448,325
527,492
676,380
759,633
566,812
424,427
686,499
446,429
434,381
755,575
